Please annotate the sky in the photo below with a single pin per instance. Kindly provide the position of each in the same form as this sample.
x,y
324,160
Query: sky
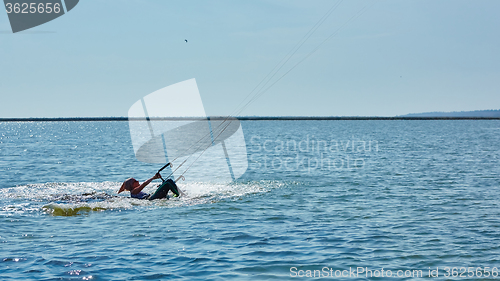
x,y
393,58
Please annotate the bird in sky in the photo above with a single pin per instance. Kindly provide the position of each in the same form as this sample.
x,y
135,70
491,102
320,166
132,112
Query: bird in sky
x,y
186,40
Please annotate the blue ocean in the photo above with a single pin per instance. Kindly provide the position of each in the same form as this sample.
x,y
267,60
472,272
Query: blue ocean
x,y
329,199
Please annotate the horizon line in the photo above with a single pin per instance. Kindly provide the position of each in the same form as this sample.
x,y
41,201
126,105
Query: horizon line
x,y
244,118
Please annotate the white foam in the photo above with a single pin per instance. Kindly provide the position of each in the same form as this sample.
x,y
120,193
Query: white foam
x,y
69,199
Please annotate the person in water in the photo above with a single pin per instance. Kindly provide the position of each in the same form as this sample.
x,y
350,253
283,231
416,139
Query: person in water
x,y
136,188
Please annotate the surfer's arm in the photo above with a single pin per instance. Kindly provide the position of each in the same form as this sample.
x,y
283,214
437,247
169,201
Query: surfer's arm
x,y
144,184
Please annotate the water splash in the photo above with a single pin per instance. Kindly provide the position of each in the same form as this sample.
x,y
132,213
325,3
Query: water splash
x,y
73,199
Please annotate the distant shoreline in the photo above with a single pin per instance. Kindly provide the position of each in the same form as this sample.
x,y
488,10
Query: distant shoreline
x,y
241,118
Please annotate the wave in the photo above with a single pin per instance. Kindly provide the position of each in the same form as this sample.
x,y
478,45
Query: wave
x,y
73,199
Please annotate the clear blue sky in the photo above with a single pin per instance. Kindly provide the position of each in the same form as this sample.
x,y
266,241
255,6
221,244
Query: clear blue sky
x,y
398,57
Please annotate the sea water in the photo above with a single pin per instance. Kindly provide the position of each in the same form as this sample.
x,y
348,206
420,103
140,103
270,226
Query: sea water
x,y
418,199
